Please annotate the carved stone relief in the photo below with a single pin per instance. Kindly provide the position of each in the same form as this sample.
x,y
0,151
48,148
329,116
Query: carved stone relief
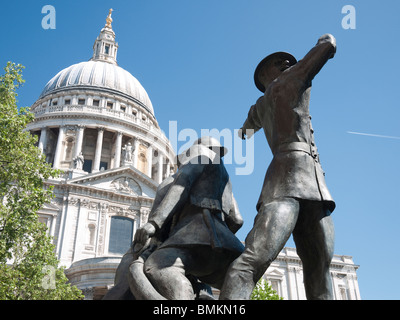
x,y
126,185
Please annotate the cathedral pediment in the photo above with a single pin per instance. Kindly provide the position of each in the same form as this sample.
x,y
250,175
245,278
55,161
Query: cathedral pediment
x,y
49,208
274,274
125,180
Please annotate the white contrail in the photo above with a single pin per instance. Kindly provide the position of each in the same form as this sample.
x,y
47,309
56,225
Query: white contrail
x,y
374,135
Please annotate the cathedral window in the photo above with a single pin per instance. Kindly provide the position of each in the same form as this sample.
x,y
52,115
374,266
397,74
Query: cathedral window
x,y
121,234
103,165
106,49
67,101
343,292
87,165
81,101
96,102
276,285
110,105
46,221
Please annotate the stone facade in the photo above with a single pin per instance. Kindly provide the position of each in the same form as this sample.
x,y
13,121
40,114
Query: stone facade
x,y
286,276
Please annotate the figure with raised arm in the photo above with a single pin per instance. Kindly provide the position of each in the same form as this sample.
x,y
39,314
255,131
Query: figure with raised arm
x,y
294,197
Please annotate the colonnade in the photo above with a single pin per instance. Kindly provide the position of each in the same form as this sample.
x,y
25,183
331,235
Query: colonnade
x,y
143,157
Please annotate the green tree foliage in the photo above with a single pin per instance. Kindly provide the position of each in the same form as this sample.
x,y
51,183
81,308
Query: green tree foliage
x,y
28,264
264,291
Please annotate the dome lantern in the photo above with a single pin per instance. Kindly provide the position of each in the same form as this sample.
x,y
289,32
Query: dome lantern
x,y
105,48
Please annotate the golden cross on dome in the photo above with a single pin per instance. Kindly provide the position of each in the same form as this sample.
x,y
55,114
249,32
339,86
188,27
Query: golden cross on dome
x,y
109,19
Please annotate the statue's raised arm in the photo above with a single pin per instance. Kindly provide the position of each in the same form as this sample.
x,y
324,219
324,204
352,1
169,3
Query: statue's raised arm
x,y
308,67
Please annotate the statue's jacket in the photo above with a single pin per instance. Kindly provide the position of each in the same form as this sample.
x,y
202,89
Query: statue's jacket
x,y
198,206
283,112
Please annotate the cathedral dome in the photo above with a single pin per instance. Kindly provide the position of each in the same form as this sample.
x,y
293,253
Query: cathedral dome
x,y
100,75
99,110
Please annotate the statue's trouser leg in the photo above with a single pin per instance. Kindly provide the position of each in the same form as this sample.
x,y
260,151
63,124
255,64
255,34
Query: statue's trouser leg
x,y
165,269
314,238
139,284
272,228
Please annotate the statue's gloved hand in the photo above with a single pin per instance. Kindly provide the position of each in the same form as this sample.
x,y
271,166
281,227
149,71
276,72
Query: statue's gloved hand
x,y
144,233
245,133
330,39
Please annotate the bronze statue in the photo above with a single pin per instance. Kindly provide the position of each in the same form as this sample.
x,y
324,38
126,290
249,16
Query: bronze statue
x,y
202,216
189,240
294,197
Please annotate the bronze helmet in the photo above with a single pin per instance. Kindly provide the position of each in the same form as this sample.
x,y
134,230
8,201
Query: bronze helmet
x,y
283,55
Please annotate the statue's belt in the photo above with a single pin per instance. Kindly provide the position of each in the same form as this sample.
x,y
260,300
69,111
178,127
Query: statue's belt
x,y
205,202
297,146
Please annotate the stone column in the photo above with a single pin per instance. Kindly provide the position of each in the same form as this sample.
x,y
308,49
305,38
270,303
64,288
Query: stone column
x,y
168,169
118,146
43,140
291,282
99,147
79,140
136,153
149,160
59,147
52,225
334,285
160,167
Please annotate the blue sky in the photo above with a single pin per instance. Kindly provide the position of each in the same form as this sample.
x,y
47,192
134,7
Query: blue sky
x,y
196,61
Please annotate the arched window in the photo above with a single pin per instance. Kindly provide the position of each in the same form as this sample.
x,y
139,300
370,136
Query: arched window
x,y
121,234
